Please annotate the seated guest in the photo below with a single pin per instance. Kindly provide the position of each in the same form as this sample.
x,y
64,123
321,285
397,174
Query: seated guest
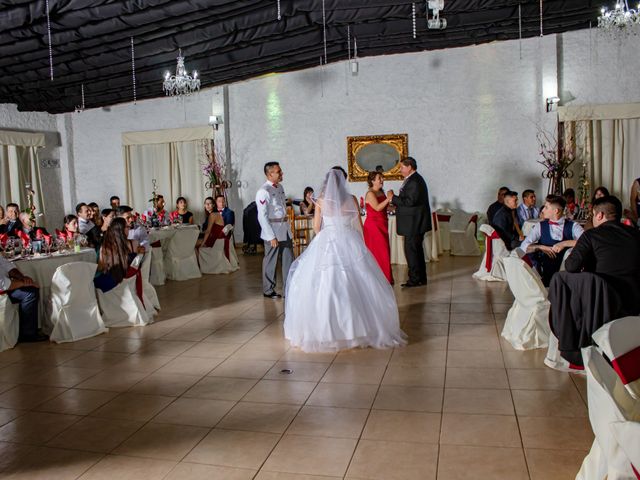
x,y
96,218
601,282
70,229
116,256
10,223
181,212
634,212
307,206
28,227
86,226
599,193
21,290
228,215
528,210
550,239
572,207
212,223
158,209
114,201
137,233
506,223
497,205
106,215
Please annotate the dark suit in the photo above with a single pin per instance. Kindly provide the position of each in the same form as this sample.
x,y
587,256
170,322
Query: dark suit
x,y
413,220
491,211
11,228
503,222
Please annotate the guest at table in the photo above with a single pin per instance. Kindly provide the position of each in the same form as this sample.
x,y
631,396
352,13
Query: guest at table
x,y
599,193
23,291
307,205
137,233
600,283
549,240
212,225
29,228
107,215
86,226
10,224
572,207
181,212
497,205
96,218
158,209
116,256
376,225
634,211
114,201
505,221
228,215
527,210
70,228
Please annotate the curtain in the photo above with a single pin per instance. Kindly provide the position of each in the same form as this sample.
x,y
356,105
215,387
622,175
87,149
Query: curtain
x,y
176,167
19,165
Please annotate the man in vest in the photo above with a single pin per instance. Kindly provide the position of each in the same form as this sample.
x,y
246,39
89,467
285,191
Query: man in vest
x,y
550,239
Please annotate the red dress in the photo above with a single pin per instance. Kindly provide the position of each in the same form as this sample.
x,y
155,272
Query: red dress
x,y
216,234
376,237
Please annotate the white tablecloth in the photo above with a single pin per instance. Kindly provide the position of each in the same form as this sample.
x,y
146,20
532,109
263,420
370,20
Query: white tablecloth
x,y
41,269
164,233
397,245
444,219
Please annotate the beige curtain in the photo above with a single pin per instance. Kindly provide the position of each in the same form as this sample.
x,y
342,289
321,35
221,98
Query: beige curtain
x,y
176,167
19,165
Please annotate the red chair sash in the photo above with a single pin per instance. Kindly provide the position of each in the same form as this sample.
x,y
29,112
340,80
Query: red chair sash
x,y
25,238
627,366
489,256
131,271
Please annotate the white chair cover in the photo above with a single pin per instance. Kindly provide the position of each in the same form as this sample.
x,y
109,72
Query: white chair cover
x,y
9,323
492,269
609,406
121,306
620,342
564,259
463,242
156,274
74,309
180,261
213,261
527,324
554,360
151,301
627,435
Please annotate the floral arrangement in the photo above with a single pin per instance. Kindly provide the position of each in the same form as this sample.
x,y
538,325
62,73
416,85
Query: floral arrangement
x,y
557,157
212,169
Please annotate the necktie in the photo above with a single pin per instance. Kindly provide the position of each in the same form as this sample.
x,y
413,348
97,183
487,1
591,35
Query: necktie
x,y
530,212
551,222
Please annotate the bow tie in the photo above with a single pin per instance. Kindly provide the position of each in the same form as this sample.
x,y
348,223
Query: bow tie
x,y
551,222
275,185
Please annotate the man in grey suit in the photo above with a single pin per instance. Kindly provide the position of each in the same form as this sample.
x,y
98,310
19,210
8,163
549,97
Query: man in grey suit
x,y
276,231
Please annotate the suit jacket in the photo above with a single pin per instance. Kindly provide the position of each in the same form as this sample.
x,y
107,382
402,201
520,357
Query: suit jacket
x,y
11,229
491,211
504,225
413,214
611,251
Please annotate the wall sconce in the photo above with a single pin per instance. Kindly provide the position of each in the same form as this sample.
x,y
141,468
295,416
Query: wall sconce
x,y
552,103
215,121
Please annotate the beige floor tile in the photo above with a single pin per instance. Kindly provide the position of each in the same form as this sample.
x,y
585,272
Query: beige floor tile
x,y
472,330
63,376
343,395
354,373
556,433
96,434
278,391
53,464
414,376
7,414
212,350
169,384
122,345
311,455
193,471
6,386
243,368
110,381
466,343
477,378
184,365
133,406
263,475
128,468
539,379
329,422
474,359
415,399
229,336
481,401
221,388
300,371
486,463
527,359
22,372
25,397
259,351
96,360
76,402
398,426
432,358
382,460
423,330
366,356
480,430
188,334
549,403
137,362
234,449
162,441
554,464
295,355
36,428
170,348
198,412
259,417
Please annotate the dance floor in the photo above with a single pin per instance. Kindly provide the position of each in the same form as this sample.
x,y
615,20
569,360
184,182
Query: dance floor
x,y
211,391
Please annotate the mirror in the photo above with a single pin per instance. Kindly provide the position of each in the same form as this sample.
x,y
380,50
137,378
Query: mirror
x,y
376,152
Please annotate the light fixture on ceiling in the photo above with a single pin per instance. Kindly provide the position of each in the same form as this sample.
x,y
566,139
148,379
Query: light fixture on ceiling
x,y
215,121
181,83
621,17
552,103
436,23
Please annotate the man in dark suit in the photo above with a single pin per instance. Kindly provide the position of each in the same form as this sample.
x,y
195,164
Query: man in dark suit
x,y
601,282
497,205
505,222
11,224
413,217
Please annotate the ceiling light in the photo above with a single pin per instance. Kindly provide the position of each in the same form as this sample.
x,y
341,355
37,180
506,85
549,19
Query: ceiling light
x,y
181,83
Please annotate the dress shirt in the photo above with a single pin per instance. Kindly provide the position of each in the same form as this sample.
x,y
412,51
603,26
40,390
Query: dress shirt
x,y
526,213
85,225
5,267
555,229
140,235
272,213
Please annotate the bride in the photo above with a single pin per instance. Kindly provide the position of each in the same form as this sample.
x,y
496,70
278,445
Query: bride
x,y
337,297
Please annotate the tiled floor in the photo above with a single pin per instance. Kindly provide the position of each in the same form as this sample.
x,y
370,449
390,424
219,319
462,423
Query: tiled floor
x,y
200,395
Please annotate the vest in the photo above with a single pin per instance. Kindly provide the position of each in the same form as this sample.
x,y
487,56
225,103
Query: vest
x,y
545,233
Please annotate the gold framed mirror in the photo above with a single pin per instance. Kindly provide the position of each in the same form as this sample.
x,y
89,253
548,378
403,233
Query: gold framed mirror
x,y
376,152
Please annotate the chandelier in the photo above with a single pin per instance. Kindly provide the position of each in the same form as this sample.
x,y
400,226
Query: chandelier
x,y
181,83
619,18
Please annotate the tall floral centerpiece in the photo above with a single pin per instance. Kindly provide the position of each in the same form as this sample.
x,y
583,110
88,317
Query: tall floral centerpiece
x,y
557,157
213,170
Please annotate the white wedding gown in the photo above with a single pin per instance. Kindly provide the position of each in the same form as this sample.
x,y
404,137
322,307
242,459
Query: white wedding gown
x,y
337,296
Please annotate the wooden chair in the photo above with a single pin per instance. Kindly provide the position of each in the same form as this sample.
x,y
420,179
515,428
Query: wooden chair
x,y
302,227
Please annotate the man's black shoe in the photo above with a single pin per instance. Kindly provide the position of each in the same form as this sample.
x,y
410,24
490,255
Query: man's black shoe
x,y
412,284
34,338
272,295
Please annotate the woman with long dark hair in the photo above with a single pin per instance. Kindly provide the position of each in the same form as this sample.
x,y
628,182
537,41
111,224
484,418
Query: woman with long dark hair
x,y
213,224
116,256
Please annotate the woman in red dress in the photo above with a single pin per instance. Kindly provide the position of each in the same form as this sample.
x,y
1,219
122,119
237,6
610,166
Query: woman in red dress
x,y
376,227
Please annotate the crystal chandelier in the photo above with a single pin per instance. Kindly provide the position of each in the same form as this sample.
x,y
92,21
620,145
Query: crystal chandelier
x,y
181,83
619,18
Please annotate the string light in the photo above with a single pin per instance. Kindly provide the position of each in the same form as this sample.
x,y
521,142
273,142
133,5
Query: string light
x,y
133,71
413,19
520,27
541,31
324,31
279,15
49,39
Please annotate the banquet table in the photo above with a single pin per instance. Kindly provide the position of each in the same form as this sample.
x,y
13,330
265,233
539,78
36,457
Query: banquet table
x,y
41,269
444,219
396,243
165,234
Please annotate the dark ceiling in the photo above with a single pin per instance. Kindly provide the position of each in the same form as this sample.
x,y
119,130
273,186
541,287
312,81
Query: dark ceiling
x,y
228,41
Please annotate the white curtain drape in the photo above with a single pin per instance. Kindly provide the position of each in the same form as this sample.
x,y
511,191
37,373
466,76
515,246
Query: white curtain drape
x,y
173,163
19,165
